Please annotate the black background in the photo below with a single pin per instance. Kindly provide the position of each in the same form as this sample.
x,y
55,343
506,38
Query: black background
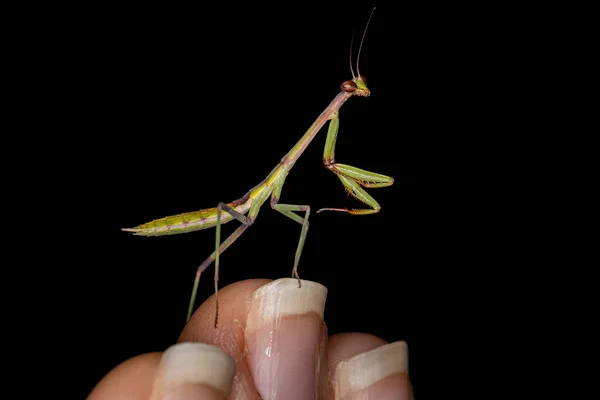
x,y
173,110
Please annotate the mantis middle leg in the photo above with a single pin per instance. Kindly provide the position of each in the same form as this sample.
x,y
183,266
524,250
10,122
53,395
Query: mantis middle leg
x,y
288,211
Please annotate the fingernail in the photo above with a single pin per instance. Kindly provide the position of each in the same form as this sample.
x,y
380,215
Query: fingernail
x,y
193,370
354,376
285,339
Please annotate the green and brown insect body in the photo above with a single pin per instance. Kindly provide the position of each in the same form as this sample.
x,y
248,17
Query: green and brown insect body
x,y
353,179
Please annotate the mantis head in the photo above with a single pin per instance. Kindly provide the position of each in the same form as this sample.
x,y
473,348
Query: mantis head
x,y
357,87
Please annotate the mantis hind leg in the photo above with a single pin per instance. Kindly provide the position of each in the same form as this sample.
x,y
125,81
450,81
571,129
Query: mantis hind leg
x,y
351,177
219,248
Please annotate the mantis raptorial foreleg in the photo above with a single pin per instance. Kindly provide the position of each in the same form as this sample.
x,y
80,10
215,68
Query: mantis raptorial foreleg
x,y
352,178
219,248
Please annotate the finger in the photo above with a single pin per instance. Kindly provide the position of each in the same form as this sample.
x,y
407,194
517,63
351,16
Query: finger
x,y
286,339
184,371
190,371
363,366
130,380
234,304
276,334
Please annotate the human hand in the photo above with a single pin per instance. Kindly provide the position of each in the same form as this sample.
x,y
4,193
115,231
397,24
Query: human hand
x,y
271,342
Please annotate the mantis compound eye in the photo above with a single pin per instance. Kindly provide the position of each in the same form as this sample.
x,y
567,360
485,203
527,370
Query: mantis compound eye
x,y
362,78
349,87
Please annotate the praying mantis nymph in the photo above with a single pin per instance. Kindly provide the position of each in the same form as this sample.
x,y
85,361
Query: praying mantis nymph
x,y
246,209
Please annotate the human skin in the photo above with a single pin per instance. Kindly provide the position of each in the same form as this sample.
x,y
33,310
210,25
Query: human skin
x,y
271,343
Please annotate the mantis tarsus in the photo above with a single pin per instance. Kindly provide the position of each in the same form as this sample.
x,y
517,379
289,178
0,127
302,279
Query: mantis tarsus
x,y
351,177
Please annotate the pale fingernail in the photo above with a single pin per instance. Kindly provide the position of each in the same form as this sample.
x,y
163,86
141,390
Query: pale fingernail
x,y
285,339
193,370
354,375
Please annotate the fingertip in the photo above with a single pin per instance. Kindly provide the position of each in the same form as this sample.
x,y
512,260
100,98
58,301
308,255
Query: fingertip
x,y
365,366
286,338
193,370
346,345
132,379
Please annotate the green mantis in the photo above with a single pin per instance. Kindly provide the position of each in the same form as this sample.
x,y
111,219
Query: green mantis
x,y
246,209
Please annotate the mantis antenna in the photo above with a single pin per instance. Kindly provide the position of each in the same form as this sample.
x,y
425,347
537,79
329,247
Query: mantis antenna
x,y
351,45
361,43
